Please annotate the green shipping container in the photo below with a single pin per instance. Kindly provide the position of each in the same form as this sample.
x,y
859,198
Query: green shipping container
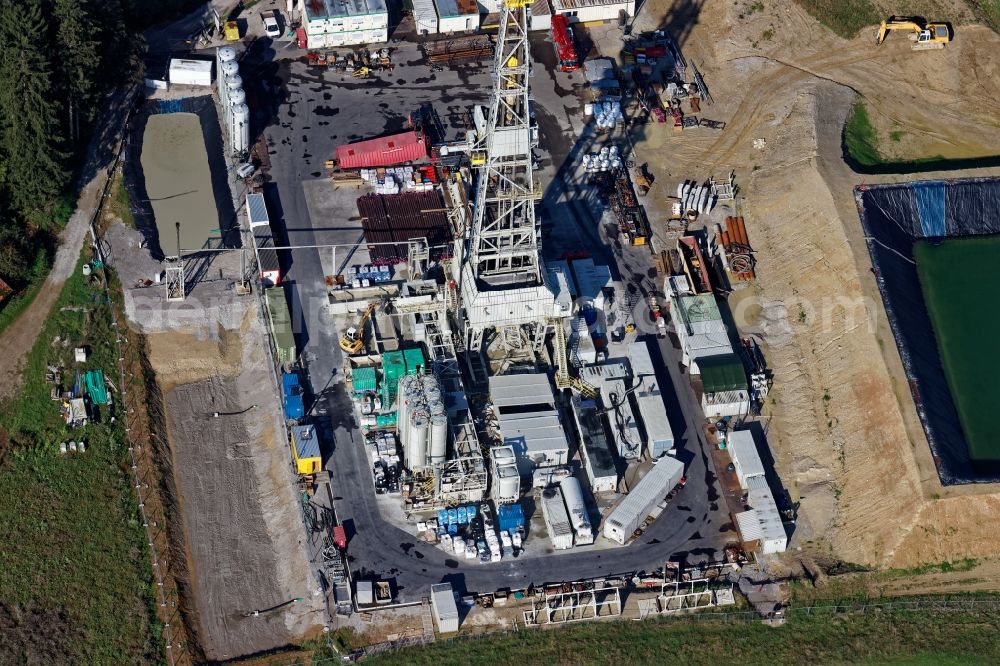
x,y
415,361
364,379
280,323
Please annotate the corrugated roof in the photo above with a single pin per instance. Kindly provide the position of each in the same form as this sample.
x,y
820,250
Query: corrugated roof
x,y
533,432
383,151
306,442
698,308
651,489
721,373
520,391
257,209
444,601
743,451
364,379
448,8
324,9
639,359
762,521
627,5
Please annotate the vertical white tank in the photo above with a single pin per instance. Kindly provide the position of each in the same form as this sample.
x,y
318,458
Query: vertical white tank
x,y
418,439
240,135
229,68
439,436
233,82
226,54
237,97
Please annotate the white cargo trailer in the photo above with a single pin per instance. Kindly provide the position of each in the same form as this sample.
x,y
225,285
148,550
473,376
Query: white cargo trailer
x,y
650,491
576,507
556,519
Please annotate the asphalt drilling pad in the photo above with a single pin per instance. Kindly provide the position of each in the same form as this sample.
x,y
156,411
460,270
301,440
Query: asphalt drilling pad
x,y
251,586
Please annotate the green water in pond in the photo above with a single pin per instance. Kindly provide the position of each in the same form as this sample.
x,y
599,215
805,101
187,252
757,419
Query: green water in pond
x,y
958,280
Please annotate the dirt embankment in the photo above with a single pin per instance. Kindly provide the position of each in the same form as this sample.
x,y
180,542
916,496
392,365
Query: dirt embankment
x,y
841,423
250,585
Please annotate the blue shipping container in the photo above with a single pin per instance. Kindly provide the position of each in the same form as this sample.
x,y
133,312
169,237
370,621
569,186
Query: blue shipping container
x,y
294,406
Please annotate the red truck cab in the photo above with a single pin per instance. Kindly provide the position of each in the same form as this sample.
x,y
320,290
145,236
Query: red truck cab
x,y
562,39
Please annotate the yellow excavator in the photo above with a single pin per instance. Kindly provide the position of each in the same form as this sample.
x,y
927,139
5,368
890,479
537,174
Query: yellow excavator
x,y
353,340
924,35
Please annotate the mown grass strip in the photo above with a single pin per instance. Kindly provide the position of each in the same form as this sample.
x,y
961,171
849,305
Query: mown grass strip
x,y
75,579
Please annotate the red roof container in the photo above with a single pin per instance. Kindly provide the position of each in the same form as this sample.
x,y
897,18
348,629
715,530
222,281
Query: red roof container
x,y
383,151
300,37
340,537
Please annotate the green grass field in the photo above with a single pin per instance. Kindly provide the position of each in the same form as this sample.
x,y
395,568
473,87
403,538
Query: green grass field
x,y
75,579
955,277
881,637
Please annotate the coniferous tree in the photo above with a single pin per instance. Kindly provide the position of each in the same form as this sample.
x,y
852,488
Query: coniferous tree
x,y
77,62
30,138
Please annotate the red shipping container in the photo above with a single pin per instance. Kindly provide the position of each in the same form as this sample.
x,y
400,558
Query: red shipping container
x,y
383,151
300,37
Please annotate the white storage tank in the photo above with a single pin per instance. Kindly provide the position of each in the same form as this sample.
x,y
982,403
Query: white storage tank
x,y
576,507
240,136
227,54
234,82
230,68
439,437
418,440
237,97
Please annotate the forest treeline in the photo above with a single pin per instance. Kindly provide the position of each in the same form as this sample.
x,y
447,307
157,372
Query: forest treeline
x,y
59,61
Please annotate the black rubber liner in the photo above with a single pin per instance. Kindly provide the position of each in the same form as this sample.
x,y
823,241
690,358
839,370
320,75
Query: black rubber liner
x,y
135,182
894,217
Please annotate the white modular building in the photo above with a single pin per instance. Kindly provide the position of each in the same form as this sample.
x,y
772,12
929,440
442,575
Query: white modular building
x,y
556,519
592,281
743,452
762,522
725,390
506,482
445,608
457,15
647,494
332,23
529,421
590,11
541,16
700,328
598,461
649,400
425,17
190,72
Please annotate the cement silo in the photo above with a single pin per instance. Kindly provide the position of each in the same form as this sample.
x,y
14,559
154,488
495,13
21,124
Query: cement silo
x,y
439,435
240,124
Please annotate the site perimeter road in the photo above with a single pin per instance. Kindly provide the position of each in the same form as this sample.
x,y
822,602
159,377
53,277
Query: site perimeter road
x,y
309,113
19,338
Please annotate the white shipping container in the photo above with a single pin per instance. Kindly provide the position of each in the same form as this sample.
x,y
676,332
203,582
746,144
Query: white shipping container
x,y
650,491
188,72
659,436
556,519
445,608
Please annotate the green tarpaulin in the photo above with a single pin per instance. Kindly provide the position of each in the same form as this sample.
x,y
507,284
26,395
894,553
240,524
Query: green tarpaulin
x,y
722,373
93,381
364,379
